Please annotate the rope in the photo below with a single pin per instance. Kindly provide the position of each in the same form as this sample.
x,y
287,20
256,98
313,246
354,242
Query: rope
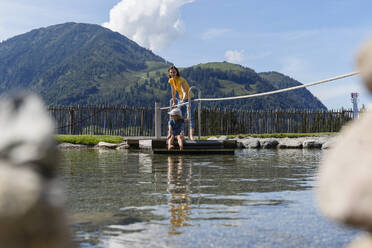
x,y
178,105
272,92
279,91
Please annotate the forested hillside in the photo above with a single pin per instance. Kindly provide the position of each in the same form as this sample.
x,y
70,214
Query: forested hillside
x,y
85,64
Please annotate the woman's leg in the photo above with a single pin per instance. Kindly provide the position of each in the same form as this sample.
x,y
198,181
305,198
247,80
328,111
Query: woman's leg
x,y
191,120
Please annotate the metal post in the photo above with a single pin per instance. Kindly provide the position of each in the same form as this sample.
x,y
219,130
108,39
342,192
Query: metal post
x,y
199,108
354,100
199,114
157,120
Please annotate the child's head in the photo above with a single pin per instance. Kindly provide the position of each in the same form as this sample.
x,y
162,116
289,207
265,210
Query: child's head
x,y
175,114
173,71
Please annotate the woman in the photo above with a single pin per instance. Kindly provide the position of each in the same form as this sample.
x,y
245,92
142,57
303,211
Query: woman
x,y
179,85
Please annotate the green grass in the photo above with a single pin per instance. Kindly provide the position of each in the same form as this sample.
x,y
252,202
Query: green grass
x,y
223,66
88,139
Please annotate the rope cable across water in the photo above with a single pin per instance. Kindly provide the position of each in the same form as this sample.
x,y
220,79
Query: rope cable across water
x,y
279,91
275,91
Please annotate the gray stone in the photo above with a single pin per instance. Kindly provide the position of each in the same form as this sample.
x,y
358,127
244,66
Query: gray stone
x,y
290,143
269,143
106,145
27,133
364,62
344,189
31,198
311,144
122,146
223,137
329,143
213,138
239,145
71,146
345,176
362,241
250,143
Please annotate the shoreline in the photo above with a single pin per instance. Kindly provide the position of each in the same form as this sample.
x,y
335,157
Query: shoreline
x,y
308,142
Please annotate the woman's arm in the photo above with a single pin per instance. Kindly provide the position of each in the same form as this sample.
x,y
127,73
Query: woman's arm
x,y
183,90
173,95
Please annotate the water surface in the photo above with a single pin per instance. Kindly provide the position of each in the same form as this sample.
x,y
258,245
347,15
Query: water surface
x,y
255,198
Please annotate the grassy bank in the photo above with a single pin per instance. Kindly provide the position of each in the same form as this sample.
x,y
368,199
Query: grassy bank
x,y
88,139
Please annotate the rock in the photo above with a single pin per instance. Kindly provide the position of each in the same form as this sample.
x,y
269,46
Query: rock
x,y
31,199
27,133
122,146
106,145
213,138
268,143
363,241
311,144
345,176
290,143
20,189
239,145
329,143
250,143
223,137
69,145
364,62
344,183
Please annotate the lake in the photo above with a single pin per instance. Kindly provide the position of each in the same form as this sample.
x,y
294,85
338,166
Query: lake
x,y
255,198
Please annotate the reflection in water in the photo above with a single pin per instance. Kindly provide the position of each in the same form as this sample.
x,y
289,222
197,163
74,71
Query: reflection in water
x,y
179,186
254,198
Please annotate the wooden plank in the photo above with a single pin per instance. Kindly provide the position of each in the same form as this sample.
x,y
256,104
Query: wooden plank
x,y
133,143
194,151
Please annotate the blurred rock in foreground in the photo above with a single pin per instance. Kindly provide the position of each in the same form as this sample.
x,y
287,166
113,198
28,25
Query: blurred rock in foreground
x,y
31,198
345,175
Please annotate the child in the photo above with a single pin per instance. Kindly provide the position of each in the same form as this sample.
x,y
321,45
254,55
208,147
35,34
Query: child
x,y
175,128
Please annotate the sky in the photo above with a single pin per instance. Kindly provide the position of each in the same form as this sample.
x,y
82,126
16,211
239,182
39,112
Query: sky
x,y
306,40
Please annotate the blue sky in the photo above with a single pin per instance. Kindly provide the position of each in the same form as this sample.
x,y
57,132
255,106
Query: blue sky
x,y
306,40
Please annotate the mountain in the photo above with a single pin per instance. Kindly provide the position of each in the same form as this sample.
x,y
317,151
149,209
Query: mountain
x,y
85,64
225,79
73,63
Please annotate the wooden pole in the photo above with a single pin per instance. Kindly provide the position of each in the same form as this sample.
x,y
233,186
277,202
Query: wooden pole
x,y
157,120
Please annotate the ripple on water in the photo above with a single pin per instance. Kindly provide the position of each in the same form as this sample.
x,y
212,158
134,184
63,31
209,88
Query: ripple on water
x,y
257,198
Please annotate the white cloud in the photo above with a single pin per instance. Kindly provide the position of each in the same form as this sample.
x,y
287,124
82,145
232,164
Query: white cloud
x,y
214,33
258,55
234,56
295,67
153,24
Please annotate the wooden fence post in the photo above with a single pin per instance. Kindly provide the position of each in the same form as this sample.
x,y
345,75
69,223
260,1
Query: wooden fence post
x,y
72,120
157,120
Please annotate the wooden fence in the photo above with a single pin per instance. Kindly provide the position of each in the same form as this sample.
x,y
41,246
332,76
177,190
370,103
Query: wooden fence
x,y
136,121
